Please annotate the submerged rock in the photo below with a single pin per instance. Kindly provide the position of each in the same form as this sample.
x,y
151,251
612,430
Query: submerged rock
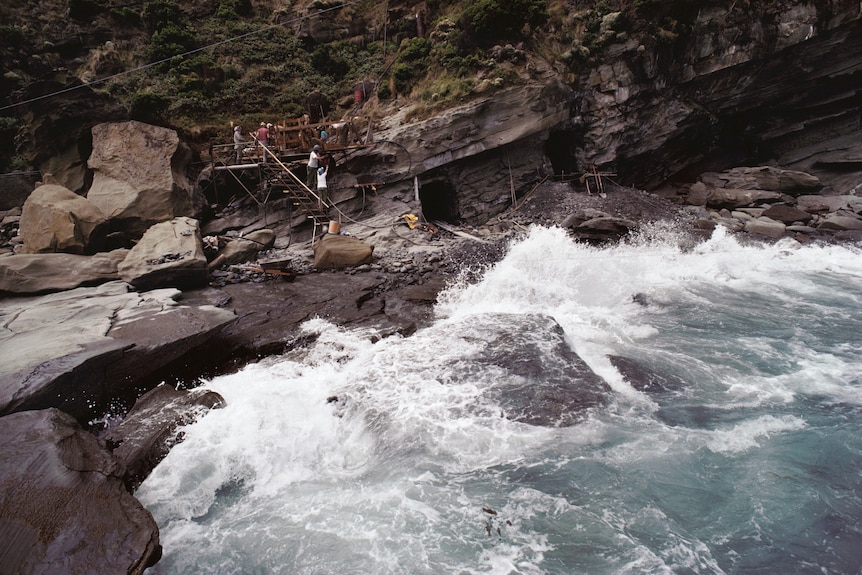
x,y
543,381
147,433
644,378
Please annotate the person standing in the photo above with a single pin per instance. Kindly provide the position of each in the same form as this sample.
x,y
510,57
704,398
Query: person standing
x,y
322,191
238,144
311,169
263,138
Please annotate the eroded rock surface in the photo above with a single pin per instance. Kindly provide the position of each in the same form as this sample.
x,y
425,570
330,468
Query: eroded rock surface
x,y
31,274
82,349
140,175
63,505
55,219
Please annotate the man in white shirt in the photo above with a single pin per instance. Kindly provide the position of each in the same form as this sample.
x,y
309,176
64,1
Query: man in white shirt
x,y
313,164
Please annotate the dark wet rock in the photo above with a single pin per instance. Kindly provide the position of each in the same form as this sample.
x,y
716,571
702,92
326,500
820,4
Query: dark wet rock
x,y
646,379
146,434
545,383
64,508
641,299
604,229
268,313
787,214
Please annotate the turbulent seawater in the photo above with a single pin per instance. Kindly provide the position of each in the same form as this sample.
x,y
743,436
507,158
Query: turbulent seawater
x,y
746,459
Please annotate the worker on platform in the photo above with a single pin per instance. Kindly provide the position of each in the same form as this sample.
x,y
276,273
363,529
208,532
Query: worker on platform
x,y
313,164
238,145
263,138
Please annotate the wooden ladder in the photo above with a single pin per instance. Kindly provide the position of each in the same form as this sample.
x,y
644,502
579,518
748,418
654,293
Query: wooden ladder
x,y
299,194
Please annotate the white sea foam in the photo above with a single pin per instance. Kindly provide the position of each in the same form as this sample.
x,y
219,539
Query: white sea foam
x,y
348,456
747,435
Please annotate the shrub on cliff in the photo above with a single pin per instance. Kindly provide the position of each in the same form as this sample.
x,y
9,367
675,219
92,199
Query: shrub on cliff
x,y
492,21
148,107
169,41
411,63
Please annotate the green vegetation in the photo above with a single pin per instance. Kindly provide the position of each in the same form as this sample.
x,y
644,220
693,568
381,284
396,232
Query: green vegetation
x,y
492,21
85,9
148,107
411,63
232,60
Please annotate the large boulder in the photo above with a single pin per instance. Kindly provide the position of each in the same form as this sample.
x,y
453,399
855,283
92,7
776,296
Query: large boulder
x,y
140,175
334,251
55,219
767,178
170,254
245,248
731,198
646,378
787,214
150,429
84,349
765,227
840,222
63,505
43,273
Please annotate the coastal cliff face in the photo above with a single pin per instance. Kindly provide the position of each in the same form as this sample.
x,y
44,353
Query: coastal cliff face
x,y
732,91
660,101
653,92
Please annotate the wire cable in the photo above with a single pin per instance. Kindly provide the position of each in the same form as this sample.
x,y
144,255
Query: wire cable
x,y
183,55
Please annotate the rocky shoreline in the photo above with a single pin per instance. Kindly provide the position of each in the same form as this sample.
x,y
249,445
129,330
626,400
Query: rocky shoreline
x,y
91,349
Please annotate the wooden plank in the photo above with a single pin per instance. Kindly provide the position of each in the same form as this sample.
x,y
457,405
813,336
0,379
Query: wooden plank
x,y
459,233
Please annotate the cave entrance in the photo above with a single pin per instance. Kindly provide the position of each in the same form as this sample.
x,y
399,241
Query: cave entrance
x,y
439,201
560,150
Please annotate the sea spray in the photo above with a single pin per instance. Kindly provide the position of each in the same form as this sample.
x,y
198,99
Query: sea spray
x,y
396,456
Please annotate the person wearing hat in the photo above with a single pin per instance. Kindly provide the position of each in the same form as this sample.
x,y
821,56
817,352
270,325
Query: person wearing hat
x,y
322,192
313,163
238,144
263,138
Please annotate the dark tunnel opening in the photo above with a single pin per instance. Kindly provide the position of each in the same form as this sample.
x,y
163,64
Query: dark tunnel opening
x,y
439,201
560,150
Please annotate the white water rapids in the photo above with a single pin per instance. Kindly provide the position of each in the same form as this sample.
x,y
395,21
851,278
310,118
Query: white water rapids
x,y
749,463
